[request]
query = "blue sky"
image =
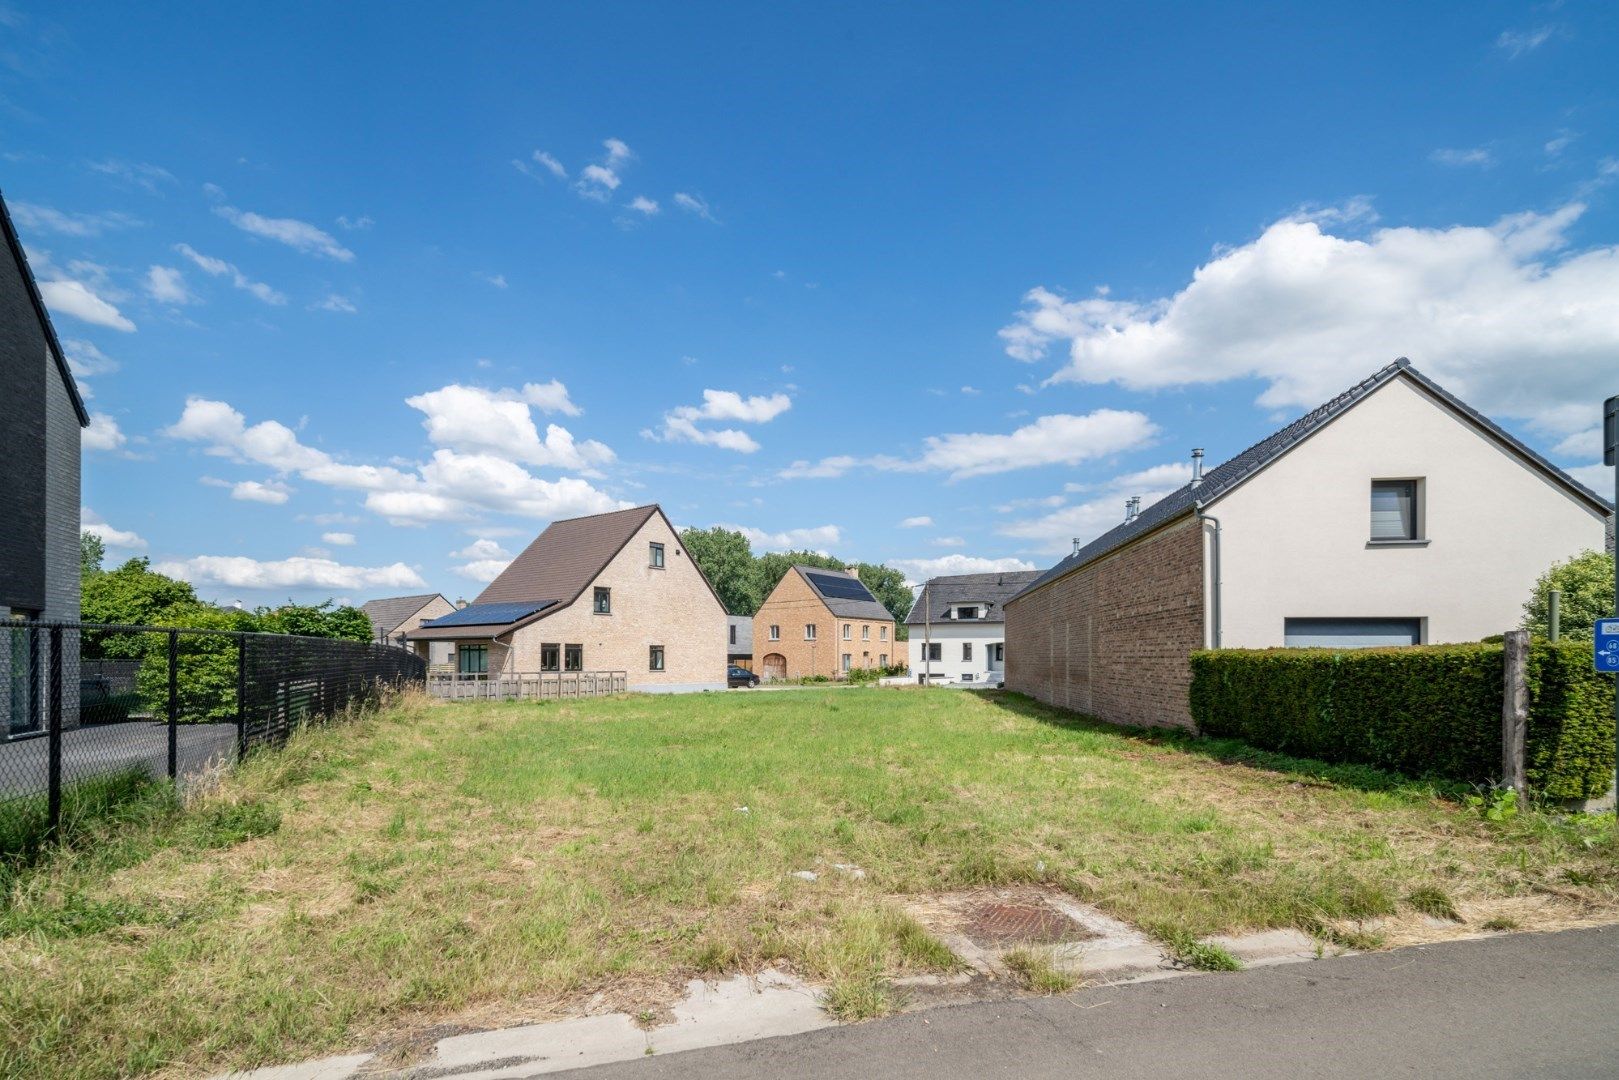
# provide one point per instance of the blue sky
(364, 296)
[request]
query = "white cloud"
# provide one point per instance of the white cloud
(1556, 146)
(1598, 477)
(336, 302)
(339, 539)
(551, 164)
(167, 285)
(920, 570)
(1054, 533)
(102, 434)
(916, 522)
(497, 280)
(273, 493)
(597, 182)
(618, 152)
(114, 538)
(948, 541)
(818, 538)
(694, 204)
(644, 205)
(1517, 42)
(1061, 439)
(354, 224)
(485, 560)
(75, 300)
(85, 360)
(498, 422)
(680, 423)
(220, 268)
(1477, 155)
(452, 486)
(138, 173)
(299, 572)
(298, 235)
(1310, 313)
(45, 219)
(1165, 477)
(827, 468)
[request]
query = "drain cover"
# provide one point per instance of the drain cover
(1034, 924)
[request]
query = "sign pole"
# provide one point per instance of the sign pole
(1610, 456)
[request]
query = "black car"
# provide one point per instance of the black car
(740, 676)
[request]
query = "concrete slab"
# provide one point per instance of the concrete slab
(332, 1068)
(1270, 947)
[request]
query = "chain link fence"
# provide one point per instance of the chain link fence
(85, 704)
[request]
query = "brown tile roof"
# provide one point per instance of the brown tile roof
(565, 558)
(388, 613)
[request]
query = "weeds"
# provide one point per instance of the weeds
(1036, 973)
(1188, 951)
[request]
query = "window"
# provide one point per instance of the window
(882, 633)
(655, 658)
(845, 631)
(865, 633)
(809, 631)
(551, 657)
(1394, 510)
(1350, 633)
(847, 661)
(967, 613)
(604, 601)
(655, 556)
(775, 632)
(733, 633)
(472, 659)
(882, 659)
(934, 650)
(967, 651)
(997, 653)
(573, 658)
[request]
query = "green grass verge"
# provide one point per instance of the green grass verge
(1035, 972)
(497, 860)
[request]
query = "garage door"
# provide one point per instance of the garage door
(1351, 633)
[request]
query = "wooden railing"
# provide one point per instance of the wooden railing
(518, 685)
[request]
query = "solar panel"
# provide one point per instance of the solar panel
(840, 588)
(489, 614)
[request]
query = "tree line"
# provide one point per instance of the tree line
(744, 579)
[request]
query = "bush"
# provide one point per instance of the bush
(1425, 711)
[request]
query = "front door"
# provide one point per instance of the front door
(775, 666)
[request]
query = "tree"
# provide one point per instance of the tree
(725, 556)
(1586, 582)
(888, 586)
(91, 553)
(772, 566)
(132, 595)
(315, 620)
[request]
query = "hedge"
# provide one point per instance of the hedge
(1425, 711)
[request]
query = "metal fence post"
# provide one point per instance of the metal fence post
(174, 704)
(53, 797)
(241, 696)
(1514, 709)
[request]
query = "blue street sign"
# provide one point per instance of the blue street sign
(1607, 645)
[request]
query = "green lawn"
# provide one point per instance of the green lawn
(483, 863)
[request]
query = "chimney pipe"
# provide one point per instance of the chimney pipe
(1132, 508)
(1076, 545)
(460, 602)
(1197, 466)
(1127, 509)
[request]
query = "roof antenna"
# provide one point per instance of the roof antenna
(1197, 467)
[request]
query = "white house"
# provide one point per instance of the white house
(1394, 514)
(958, 627)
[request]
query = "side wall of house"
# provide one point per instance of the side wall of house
(672, 607)
(25, 377)
(1295, 537)
(950, 637)
(1112, 639)
(62, 434)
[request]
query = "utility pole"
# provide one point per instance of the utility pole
(1610, 456)
(927, 635)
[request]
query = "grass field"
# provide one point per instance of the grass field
(485, 863)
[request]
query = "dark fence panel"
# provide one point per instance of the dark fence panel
(87, 704)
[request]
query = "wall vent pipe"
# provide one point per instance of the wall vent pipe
(1197, 466)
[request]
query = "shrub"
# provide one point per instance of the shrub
(1425, 711)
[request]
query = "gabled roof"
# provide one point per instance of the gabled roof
(1227, 476)
(14, 245)
(989, 591)
(860, 604)
(565, 558)
(389, 612)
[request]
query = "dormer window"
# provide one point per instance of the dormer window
(970, 612)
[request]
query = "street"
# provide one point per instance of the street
(1515, 1005)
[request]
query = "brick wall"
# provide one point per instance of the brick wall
(1112, 639)
(792, 605)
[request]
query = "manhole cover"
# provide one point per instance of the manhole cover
(1034, 924)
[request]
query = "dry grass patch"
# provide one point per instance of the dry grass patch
(481, 864)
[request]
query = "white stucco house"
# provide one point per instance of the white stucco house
(1394, 514)
(957, 627)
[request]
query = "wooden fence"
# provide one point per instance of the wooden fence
(522, 685)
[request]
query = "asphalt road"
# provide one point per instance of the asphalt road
(1517, 1005)
(101, 749)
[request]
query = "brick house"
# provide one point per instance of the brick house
(1393, 514)
(821, 622)
(41, 416)
(393, 617)
(607, 592)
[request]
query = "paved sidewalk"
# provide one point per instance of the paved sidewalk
(1511, 1006)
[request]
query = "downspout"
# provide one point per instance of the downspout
(1214, 566)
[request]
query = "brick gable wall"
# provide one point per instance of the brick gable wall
(1112, 639)
(791, 605)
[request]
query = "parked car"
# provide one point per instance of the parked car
(740, 676)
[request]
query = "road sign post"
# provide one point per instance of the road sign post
(1610, 456)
